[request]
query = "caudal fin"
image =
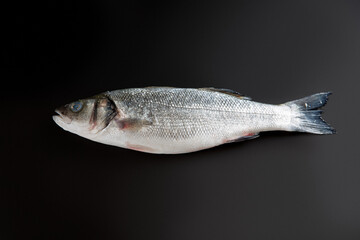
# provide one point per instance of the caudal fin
(307, 117)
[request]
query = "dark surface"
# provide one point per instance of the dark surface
(279, 186)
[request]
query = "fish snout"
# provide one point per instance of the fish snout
(62, 114)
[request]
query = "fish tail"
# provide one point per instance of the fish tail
(307, 117)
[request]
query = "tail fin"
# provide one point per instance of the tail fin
(307, 117)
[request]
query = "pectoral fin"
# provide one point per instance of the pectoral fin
(132, 123)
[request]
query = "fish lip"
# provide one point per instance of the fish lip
(61, 117)
(58, 112)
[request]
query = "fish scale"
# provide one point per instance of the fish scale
(202, 112)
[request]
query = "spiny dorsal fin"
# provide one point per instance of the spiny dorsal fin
(158, 87)
(227, 91)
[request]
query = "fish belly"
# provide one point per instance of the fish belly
(187, 120)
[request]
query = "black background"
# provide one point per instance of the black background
(279, 186)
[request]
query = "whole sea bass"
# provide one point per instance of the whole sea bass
(180, 120)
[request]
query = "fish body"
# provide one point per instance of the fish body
(180, 120)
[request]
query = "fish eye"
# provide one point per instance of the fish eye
(76, 106)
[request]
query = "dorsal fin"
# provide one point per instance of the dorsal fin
(227, 91)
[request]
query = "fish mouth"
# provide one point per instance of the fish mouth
(61, 118)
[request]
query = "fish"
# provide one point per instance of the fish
(167, 120)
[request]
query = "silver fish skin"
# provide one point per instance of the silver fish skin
(181, 120)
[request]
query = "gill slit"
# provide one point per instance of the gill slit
(93, 117)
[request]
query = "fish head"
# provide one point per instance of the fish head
(86, 117)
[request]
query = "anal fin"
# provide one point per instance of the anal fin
(245, 137)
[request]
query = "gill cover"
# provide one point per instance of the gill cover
(103, 112)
